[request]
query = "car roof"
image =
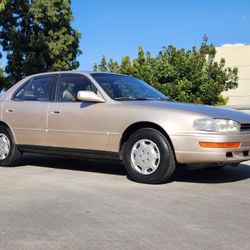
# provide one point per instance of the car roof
(74, 72)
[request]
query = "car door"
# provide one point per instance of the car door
(26, 111)
(74, 124)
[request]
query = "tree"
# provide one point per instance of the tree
(95, 67)
(13, 36)
(2, 79)
(103, 65)
(38, 37)
(2, 4)
(126, 66)
(184, 75)
(113, 66)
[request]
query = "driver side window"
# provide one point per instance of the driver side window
(70, 85)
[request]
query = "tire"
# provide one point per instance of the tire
(157, 153)
(9, 153)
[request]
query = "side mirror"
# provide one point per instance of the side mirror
(89, 96)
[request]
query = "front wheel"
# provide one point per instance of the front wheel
(148, 157)
(9, 153)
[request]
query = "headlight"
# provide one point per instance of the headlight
(216, 125)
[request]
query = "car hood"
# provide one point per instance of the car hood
(203, 110)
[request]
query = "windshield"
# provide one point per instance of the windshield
(122, 87)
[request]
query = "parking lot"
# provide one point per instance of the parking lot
(58, 203)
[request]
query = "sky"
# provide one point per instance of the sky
(118, 27)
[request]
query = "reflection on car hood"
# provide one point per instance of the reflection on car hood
(204, 110)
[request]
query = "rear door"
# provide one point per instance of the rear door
(74, 124)
(26, 112)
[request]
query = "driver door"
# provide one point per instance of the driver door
(74, 124)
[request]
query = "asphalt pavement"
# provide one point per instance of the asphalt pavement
(58, 203)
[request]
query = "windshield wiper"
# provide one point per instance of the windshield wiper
(129, 98)
(146, 99)
(150, 99)
(125, 98)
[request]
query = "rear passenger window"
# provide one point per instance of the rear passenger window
(37, 89)
(18, 95)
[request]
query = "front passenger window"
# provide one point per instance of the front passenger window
(70, 85)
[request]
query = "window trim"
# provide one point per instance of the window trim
(18, 89)
(56, 96)
(29, 81)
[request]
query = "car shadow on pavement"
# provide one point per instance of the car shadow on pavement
(227, 174)
(58, 162)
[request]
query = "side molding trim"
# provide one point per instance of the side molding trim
(69, 152)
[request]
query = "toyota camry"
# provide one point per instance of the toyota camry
(113, 116)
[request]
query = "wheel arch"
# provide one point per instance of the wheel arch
(139, 125)
(2, 123)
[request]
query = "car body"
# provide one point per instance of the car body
(93, 124)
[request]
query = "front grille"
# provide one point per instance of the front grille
(245, 127)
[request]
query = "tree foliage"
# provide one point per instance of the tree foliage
(192, 76)
(38, 37)
(2, 4)
(2, 78)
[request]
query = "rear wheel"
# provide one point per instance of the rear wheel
(9, 153)
(148, 157)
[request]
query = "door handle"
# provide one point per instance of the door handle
(10, 110)
(55, 112)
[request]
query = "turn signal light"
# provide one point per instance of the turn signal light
(219, 144)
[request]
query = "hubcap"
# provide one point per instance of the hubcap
(145, 156)
(4, 146)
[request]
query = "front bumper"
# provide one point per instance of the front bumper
(188, 150)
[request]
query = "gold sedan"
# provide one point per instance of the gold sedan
(112, 116)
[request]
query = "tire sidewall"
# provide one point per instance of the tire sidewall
(166, 156)
(8, 159)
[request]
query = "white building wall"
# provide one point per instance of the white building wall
(237, 56)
